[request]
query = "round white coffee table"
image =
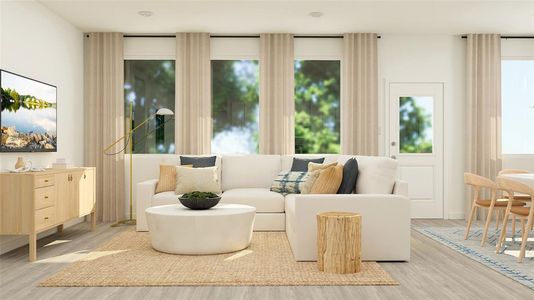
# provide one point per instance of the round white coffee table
(180, 230)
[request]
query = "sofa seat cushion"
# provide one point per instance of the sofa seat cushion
(262, 199)
(165, 198)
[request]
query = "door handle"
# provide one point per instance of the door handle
(393, 143)
(393, 156)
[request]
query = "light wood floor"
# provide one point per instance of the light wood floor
(435, 272)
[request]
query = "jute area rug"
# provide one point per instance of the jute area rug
(129, 260)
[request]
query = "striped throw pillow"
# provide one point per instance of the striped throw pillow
(289, 182)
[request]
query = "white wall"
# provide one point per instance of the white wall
(431, 58)
(37, 43)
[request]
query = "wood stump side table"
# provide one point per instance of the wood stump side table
(339, 242)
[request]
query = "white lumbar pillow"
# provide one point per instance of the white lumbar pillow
(197, 179)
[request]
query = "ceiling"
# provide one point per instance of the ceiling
(248, 16)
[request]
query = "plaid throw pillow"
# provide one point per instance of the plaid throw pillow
(289, 182)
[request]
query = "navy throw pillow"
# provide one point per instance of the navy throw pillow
(350, 175)
(301, 164)
(198, 162)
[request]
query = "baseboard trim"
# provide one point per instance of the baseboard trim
(456, 216)
(12, 242)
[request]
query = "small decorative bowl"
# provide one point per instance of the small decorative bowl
(199, 203)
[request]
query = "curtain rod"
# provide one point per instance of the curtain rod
(238, 36)
(509, 37)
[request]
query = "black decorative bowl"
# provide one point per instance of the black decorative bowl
(199, 203)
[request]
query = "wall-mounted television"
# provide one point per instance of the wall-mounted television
(28, 114)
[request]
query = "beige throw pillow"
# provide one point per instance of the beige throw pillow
(308, 184)
(328, 181)
(167, 178)
(315, 166)
(197, 179)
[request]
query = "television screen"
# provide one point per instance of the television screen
(27, 115)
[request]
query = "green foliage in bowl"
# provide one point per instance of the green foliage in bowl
(199, 195)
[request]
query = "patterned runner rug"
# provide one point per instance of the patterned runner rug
(504, 262)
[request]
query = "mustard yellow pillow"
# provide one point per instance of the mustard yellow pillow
(328, 181)
(315, 166)
(167, 178)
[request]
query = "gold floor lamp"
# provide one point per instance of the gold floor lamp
(128, 136)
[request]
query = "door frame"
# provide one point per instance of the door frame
(388, 134)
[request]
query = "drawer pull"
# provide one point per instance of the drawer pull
(46, 197)
(46, 218)
(46, 180)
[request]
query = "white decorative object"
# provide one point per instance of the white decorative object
(197, 179)
(180, 230)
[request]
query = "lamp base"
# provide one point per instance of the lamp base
(125, 223)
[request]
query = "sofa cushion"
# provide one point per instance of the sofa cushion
(165, 198)
(376, 174)
(249, 171)
(350, 175)
(262, 199)
(301, 164)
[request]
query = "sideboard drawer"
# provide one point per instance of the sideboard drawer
(44, 180)
(45, 197)
(45, 217)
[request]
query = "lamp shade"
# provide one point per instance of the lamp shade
(164, 112)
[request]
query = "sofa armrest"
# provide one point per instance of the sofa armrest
(143, 198)
(385, 223)
(400, 188)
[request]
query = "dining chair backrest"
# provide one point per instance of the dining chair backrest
(479, 181)
(512, 171)
(513, 186)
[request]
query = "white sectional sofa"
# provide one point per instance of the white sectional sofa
(380, 198)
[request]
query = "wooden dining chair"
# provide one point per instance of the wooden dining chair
(478, 183)
(516, 171)
(525, 214)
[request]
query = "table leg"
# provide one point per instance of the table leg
(93, 221)
(32, 240)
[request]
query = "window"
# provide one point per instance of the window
(149, 85)
(235, 106)
(517, 106)
(415, 124)
(317, 94)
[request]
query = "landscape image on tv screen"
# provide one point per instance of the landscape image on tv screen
(27, 115)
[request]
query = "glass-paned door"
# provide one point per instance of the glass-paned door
(416, 142)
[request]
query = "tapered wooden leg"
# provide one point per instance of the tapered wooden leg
(513, 226)
(32, 241)
(469, 221)
(503, 231)
(524, 240)
(522, 227)
(93, 221)
(60, 228)
(498, 218)
(486, 226)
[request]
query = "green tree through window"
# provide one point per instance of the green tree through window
(149, 85)
(235, 106)
(415, 124)
(317, 94)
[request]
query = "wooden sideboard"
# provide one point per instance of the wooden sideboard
(33, 202)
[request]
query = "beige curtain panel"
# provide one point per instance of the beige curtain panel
(277, 103)
(483, 110)
(104, 119)
(193, 94)
(359, 94)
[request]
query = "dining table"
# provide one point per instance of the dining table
(526, 178)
